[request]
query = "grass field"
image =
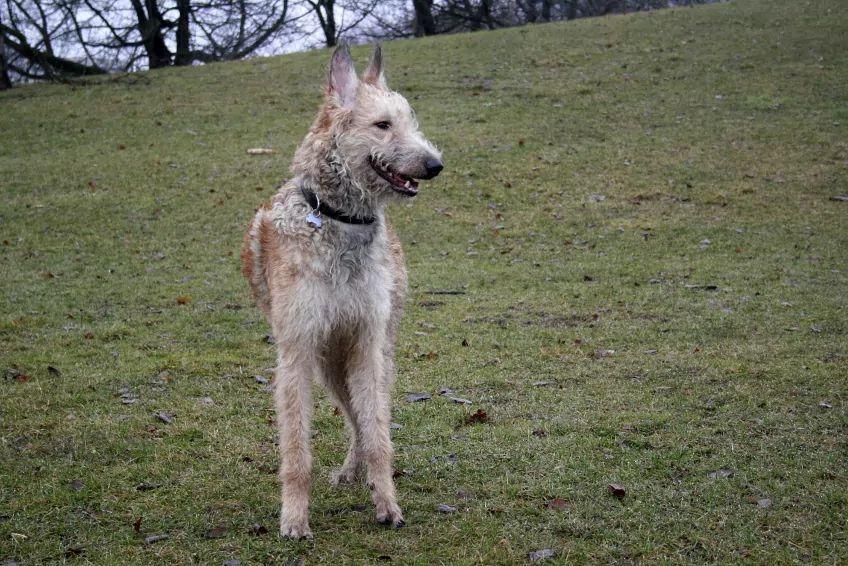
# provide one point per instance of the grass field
(651, 290)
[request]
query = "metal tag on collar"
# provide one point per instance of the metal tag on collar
(314, 216)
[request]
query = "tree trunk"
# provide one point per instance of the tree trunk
(161, 54)
(329, 23)
(486, 13)
(149, 25)
(571, 11)
(424, 22)
(51, 64)
(5, 81)
(546, 10)
(183, 56)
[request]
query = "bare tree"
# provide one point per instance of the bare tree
(234, 30)
(425, 24)
(325, 14)
(54, 39)
(5, 80)
(336, 19)
(50, 39)
(34, 36)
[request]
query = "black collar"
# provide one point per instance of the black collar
(330, 212)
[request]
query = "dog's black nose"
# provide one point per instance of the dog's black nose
(433, 167)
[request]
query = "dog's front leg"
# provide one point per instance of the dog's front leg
(293, 400)
(370, 403)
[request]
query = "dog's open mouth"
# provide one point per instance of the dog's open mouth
(403, 184)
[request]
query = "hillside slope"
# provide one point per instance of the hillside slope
(637, 217)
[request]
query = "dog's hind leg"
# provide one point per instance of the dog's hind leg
(369, 396)
(293, 400)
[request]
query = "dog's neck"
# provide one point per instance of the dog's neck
(338, 190)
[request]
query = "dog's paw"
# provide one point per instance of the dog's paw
(295, 530)
(344, 476)
(390, 515)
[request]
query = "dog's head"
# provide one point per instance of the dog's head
(373, 130)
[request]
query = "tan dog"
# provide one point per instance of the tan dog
(327, 269)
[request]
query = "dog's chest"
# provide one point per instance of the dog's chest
(347, 256)
(349, 277)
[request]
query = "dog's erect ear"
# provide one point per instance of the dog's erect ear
(342, 80)
(374, 73)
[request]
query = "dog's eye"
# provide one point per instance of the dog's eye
(383, 125)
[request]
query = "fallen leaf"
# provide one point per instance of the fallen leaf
(261, 151)
(16, 374)
(541, 383)
(74, 551)
(825, 405)
(260, 379)
(147, 486)
(166, 418)
(460, 400)
(540, 433)
(206, 401)
(597, 198)
(463, 495)
(557, 504)
(479, 417)
(450, 458)
(155, 538)
(720, 473)
(540, 555)
(445, 508)
(53, 370)
(418, 397)
(256, 529)
(617, 490)
(839, 198)
(137, 525)
(602, 353)
(89, 335)
(215, 532)
(395, 426)
(465, 343)
(183, 299)
(816, 329)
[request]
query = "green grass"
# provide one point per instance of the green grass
(726, 123)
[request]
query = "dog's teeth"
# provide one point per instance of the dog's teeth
(407, 184)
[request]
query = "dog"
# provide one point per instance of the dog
(327, 269)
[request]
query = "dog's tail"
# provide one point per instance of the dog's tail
(254, 262)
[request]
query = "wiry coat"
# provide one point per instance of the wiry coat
(334, 293)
